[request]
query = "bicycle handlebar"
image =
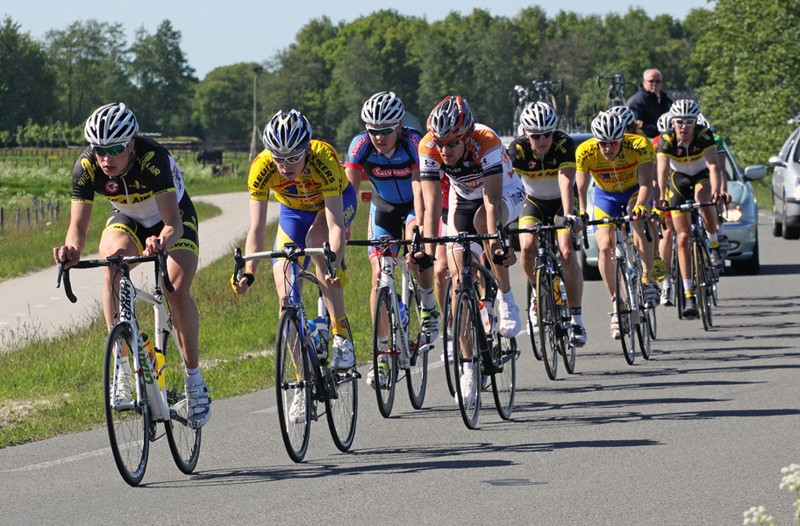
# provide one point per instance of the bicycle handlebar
(620, 221)
(290, 251)
(117, 262)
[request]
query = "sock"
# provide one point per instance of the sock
(688, 287)
(577, 317)
(714, 238)
(428, 301)
(667, 281)
(192, 377)
(339, 326)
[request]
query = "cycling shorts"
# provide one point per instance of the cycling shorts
(613, 204)
(388, 219)
(682, 186)
(119, 222)
(293, 224)
(539, 211)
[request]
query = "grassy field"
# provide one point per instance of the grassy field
(53, 387)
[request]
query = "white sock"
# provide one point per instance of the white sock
(428, 301)
(192, 377)
(688, 284)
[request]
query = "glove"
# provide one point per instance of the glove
(341, 275)
(659, 214)
(639, 210)
(574, 220)
(498, 259)
(663, 204)
(247, 276)
(424, 262)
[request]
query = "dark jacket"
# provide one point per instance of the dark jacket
(648, 109)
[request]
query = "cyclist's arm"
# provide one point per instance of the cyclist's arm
(75, 240)
(582, 182)
(718, 183)
(492, 200)
(419, 202)
(566, 178)
(256, 234)
(663, 173)
(172, 231)
(644, 174)
(432, 210)
(334, 216)
(354, 176)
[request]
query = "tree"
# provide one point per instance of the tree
(752, 55)
(223, 103)
(90, 64)
(163, 80)
(26, 79)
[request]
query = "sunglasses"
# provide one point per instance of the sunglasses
(685, 122)
(448, 144)
(111, 151)
(381, 131)
(607, 144)
(289, 160)
(539, 136)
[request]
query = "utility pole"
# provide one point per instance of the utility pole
(253, 142)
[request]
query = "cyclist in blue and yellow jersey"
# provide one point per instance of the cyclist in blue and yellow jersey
(483, 190)
(387, 153)
(545, 161)
(150, 212)
(317, 203)
(688, 166)
(621, 166)
(665, 242)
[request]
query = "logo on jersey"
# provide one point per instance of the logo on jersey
(378, 172)
(112, 187)
(532, 165)
(680, 151)
(357, 146)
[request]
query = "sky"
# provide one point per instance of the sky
(221, 33)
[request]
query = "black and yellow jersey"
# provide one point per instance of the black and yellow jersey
(689, 159)
(621, 173)
(540, 174)
(323, 176)
(153, 172)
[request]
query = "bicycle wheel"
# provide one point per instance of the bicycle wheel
(417, 373)
(504, 380)
(384, 352)
(342, 411)
(565, 348)
(702, 285)
(623, 305)
(293, 386)
(533, 328)
(677, 281)
(127, 415)
(547, 318)
(184, 442)
(447, 337)
(467, 375)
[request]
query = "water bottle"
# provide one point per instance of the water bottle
(558, 290)
(403, 313)
(487, 324)
(155, 357)
(318, 328)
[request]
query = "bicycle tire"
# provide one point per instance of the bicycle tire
(417, 373)
(383, 328)
(342, 411)
(565, 347)
(677, 280)
(504, 382)
(447, 329)
(623, 299)
(465, 330)
(184, 441)
(533, 328)
(701, 285)
(643, 333)
(292, 379)
(129, 424)
(547, 319)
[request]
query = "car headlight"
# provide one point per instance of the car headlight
(733, 214)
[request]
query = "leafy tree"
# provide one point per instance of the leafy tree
(752, 55)
(223, 102)
(26, 79)
(164, 81)
(90, 64)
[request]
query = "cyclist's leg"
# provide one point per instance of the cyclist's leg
(121, 236)
(682, 189)
(702, 191)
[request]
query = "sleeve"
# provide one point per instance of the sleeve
(430, 162)
(357, 151)
(259, 180)
(159, 168)
(334, 179)
(83, 174)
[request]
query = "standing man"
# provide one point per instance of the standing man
(650, 102)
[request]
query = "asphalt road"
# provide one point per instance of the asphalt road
(696, 435)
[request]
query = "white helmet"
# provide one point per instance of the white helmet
(664, 123)
(110, 125)
(608, 126)
(383, 108)
(538, 116)
(685, 108)
(702, 121)
(286, 132)
(625, 113)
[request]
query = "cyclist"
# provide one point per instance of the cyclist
(387, 152)
(545, 161)
(688, 164)
(150, 212)
(621, 166)
(484, 190)
(317, 203)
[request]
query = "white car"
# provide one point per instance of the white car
(786, 189)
